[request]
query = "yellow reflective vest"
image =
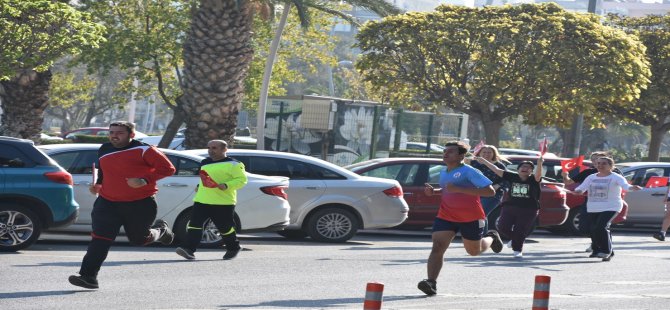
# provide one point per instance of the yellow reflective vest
(228, 171)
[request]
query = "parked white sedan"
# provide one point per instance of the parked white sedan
(646, 206)
(261, 205)
(328, 202)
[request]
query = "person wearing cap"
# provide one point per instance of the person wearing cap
(220, 178)
(521, 209)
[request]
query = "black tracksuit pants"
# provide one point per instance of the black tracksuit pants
(223, 217)
(108, 216)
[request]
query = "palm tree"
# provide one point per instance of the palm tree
(217, 55)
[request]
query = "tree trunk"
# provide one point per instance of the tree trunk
(24, 99)
(217, 55)
(658, 131)
(568, 141)
(172, 127)
(492, 130)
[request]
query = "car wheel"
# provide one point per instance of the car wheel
(571, 225)
(211, 238)
(332, 225)
(19, 228)
(292, 234)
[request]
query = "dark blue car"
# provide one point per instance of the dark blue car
(35, 194)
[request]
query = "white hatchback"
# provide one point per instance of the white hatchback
(328, 202)
(261, 205)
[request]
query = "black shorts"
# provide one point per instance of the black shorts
(469, 230)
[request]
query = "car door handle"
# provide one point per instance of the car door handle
(312, 187)
(408, 194)
(658, 194)
(175, 185)
(84, 183)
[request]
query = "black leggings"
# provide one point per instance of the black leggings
(223, 217)
(108, 216)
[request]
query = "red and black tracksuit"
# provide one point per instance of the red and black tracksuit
(121, 205)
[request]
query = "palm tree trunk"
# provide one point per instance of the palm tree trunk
(24, 100)
(217, 55)
(269, 63)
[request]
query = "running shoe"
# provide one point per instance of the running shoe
(518, 254)
(84, 281)
(497, 244)
(428, 287)
(166, 235)
(231, 253)
(185, 253)
(659, 236)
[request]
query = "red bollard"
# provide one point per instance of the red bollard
(541, 293)
(373, 296)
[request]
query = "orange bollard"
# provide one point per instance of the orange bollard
(373, 296)
(541, 293)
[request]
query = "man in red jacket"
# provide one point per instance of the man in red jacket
(126, 185)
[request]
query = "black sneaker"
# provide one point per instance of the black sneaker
(231, 253)
(84, 281)
(659, 236)
(185, 253)
(593, 254)
(166, 234)
(497, 244)
(428, 287)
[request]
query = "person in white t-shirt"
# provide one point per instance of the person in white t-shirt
(604, 203)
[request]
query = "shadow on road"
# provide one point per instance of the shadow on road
(321, 303)
(41, 294)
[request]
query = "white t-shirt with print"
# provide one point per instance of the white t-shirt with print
(604, 192)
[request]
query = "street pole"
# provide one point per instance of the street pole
(265, 87)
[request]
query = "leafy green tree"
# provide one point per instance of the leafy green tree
(145, 39)
(538, 61)
(76, 97)
(68, 97)
(652, 108)
(34, 34)
(217, 56)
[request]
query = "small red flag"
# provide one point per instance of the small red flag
(543, 146)
(207, 181)
(478, 147)
(572, 163)
(656, 181)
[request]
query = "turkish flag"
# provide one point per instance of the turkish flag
(478, 147)
(543, 146)
(657, 182)
(573, 163)
(207, 181)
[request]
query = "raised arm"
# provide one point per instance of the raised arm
(499, 172)
(538, 170)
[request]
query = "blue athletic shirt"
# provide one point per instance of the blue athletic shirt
(459, 207)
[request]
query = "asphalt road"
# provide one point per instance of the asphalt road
(274, 273)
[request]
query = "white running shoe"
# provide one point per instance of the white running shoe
(518, 254)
